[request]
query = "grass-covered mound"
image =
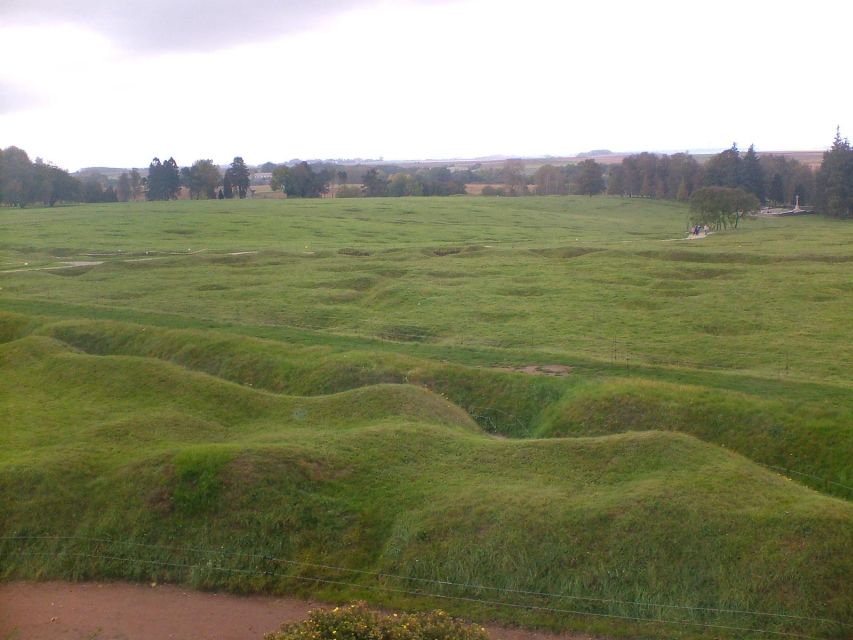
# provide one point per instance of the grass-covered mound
(149, 470)
(803, 429)
(305, 396)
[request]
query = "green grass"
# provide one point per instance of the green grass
(395, 480)
(569, 277)
(343, 397)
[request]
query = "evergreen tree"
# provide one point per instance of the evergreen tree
(156, 188)
(164, 180)
(239, 176)
(752, 175)
(777, 189)
(834, 179)
(724, 169)
(172, 179)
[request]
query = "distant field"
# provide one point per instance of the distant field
(197, 388)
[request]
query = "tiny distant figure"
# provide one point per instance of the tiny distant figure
(706, 229)
(221, 194)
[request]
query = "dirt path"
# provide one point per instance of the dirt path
(119, 611)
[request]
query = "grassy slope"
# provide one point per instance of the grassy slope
(118, 430)
(801, 429)
(405, 485)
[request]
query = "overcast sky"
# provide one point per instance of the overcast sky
(103, 83)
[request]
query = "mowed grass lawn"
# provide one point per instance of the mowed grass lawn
(303, 397)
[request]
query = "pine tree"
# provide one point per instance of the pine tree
(239, 176)
(835, 179)
(172, 179)
(752, 175)
(155, 181)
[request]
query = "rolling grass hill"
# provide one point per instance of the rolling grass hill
(115, 452)
(323, 398)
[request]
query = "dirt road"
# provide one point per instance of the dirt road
(118, 611)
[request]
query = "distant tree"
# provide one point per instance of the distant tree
(172, 178)
(301, 181)
(238, 176)
(514, 178)
(684, 176)
(267, 167)
(93, 190)
(164, 180)
(590, 178)
(724, 169)
(682, 194)
(787, 178)
(123, 188)
(550, 180)
(136, 186)
(65, 187)
(640, 174)
(16, 177)
(375, 183)
(720, 207)
(435, 181)
(616, 180)
(834, 179)
(405, 184)
(776, 193)
(202, 179)
(752, 175)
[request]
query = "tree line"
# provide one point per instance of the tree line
(770, 179)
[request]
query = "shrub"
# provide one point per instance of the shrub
(349, 191)
(357, 622)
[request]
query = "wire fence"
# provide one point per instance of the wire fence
(269, 567)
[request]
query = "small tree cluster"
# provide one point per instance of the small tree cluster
(720, 207)
(435, 181)
(164, 180)
(236, 177)
(301, 181)
(589, 179)
(23, 182)
(201, 179)
(357, 622)
(649, 175)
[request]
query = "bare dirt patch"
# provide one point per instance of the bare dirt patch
(118, 611)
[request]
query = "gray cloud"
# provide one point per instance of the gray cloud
(183, 25)
(14, 97)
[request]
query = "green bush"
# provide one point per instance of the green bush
(357, 622)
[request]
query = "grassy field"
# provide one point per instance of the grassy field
(294, 396)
